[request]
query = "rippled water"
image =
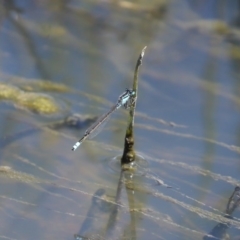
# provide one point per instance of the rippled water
(79, 56)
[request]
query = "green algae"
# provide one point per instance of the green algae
(36, 102)
(45, 86)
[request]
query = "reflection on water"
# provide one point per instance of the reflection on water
(220, 230)
(98, 205)
(81, 54)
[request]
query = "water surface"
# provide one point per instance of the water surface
(81, 56)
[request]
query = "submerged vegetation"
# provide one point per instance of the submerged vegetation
(36, 102)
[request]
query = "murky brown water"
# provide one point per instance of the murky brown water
(63, 57)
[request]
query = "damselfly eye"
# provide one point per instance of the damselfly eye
(131, 92)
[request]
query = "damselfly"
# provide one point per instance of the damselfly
(125, 99)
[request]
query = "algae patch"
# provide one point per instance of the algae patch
(19, 176)
(36, 102)
(45, 86)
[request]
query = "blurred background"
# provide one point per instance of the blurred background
(63, 57)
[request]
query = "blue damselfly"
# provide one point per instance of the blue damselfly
(125, 99)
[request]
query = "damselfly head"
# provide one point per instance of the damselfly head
(130, 92)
